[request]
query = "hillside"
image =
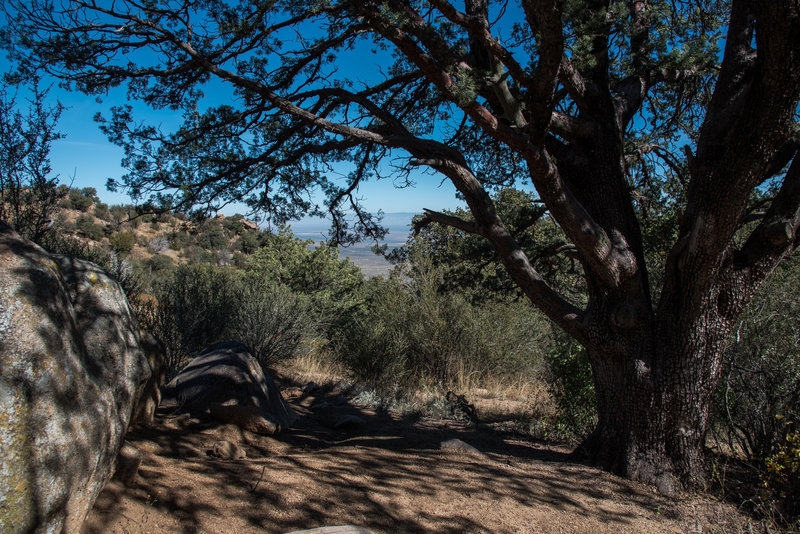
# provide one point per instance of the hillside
(154, 243)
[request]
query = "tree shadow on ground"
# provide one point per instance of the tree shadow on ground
(381, 471)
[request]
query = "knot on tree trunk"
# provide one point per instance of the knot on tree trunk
(623, 316)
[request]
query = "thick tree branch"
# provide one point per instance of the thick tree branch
(747, 125)
(571, 128)
(446, 220)
(579, 89)
(445, 82)
(779, 227)
(489, 225)
(480, 31)
(545, 16)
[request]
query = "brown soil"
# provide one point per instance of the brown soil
(385, 473)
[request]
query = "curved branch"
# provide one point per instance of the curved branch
(519, 267)
(446, 220)
(779, 230)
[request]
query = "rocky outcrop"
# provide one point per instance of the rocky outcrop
(226, 382)
(70, 371)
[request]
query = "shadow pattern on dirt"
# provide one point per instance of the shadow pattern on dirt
(380, 472)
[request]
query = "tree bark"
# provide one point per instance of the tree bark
(652, 419)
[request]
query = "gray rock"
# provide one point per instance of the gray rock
(348, 421)
(222, 381)
(459, 446)
(128, 462)
(70, 371)
(227, 450)
(145, 408)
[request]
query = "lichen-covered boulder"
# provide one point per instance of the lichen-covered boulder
(70, 370)
(226, 382)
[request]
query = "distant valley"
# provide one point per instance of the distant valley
(371, 264)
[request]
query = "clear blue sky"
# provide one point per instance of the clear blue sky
(85, 158)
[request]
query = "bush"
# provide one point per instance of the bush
(118, 213)
(158, 263)
(271, 320)
(122, 242)
(82, 199)
(781, 476)
(101, 211)
(200, 304)
(196, 255)
(409, 336)
(760, 383)
(249, 241)
(179, 239)
(195, 305)
(88, 228)
(158, 244)
(572, 387)
(211, 236)
(333, 285)
(234, 224)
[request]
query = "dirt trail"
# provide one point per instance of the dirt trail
(384, 473)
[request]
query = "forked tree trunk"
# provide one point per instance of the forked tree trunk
(654, 398)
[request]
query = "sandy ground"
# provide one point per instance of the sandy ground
(384, 473)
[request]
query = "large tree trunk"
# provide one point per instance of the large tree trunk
(654, 389)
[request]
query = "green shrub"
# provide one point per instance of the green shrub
(249, 242)
(88, 228)
(375, 347)
(118, 213)
(179, 239)
(158, 263)
(211, 236)
(333, 285)
(409, 335)
(572, 387)
(271, 320)
(196, 255)
(199, 305)
(780, 478)
(101, 211)
(122, 242)
(81, 199)
(234, 225)
(195, 306)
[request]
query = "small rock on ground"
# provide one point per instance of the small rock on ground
(227, 451)
(348, 421)
(458, 445)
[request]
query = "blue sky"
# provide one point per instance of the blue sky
(85, 158)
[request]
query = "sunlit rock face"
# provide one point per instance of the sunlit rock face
(71, 370)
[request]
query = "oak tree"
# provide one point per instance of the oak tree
(606, 107)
